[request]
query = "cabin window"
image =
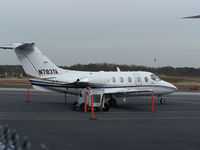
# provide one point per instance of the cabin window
(146, 79)
(138, 79)
(121, 79)
(113, 79)
(129, 79)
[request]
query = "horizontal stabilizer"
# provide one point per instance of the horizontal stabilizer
(12, 46)
(26, 46)
(6, 47)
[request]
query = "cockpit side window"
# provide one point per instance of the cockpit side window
(154, 77)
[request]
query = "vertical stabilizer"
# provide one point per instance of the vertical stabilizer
(34, 62)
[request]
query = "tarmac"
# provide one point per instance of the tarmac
(47, 119)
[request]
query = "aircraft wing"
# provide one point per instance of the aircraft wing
(126, 91)
(192, 17)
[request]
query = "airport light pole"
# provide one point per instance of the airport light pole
(155, 60)
(154, 67)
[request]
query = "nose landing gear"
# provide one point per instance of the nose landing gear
(162, 100)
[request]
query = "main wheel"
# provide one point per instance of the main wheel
(75, 106)
(162, 100)
(106, 107)
(112, 102)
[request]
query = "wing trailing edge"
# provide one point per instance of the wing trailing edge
(192, 17)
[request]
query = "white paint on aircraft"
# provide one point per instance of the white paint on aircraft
(49, 77)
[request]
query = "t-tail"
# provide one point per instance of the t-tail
(33, 61)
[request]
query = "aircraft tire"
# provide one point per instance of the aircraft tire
(162, 100)
(106, 107)
(112, 102)
(75, 106)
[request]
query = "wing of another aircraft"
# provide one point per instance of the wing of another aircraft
(6, 47)
(192, 17)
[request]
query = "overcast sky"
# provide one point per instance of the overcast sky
(111, 31)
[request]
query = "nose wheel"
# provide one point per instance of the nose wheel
(162, 100)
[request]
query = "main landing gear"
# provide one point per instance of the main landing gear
(75, 106)
(106, 107)
(112, 102)
(162, 100)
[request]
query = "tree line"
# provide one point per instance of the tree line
(17, 70)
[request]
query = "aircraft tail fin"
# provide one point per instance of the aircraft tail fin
(33, 61)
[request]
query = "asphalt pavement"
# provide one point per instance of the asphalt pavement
(131, 125)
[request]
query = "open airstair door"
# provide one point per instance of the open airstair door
(138, 80)
(98, 98)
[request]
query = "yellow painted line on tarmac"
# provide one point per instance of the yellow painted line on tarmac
(149, 112)
(75, 112)
(153, 118)
(139, 112)
(183, 99)
(45, 119)
(120, 118)
(37, 112)
(180, 111)
(143, 112)
(25, 93)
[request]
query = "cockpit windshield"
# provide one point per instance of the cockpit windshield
(154, 77)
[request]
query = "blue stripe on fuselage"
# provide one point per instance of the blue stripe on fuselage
(44, 82)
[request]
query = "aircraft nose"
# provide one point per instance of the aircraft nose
(170, 86)
(174, 88)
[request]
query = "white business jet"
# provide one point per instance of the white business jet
(49, 77)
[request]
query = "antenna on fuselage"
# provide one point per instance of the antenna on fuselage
(118, 70)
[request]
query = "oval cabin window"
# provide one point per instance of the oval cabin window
(138, 79)
(113, 79)
(129, 79)
(121, 79)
